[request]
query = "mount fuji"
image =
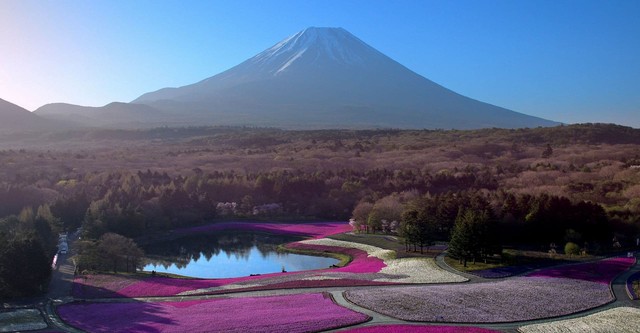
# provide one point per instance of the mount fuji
(320, 78)
(328, 78)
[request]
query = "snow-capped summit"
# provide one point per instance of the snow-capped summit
(328, 78)
(317, 44)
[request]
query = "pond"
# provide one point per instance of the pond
(228, 254)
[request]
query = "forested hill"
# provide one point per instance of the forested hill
(253, 137)
(578, 182)
(579, 133)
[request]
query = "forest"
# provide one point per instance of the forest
(528, 188)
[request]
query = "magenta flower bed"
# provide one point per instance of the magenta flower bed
(315, 284)
(161, 286)
(602, 271)
(314, 230)
(360, 263)
(101, 286)
(418, 329)
(290, 313)
(108, 285)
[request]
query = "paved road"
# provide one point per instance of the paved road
(60, 290)
(61, 278)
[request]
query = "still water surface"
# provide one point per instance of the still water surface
(224, 255)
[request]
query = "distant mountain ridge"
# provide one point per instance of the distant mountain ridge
(115, 114)
(16, 118)
(328, 78)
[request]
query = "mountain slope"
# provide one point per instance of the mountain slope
(15, 118)
(326, 77)
(114, 114)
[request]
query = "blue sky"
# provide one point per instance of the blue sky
(570, 61)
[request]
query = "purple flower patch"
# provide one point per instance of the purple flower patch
(602, 271)
(501, 272)
(515, 299)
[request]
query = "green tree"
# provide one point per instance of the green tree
(361, 214)
(474, 236)
(463, 238)
(25, 266)
(571, 249)
(119, 252)
(547, 152)
(409, 228)
(418, 227)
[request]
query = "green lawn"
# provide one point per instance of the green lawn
(477, 266)
(511, 257)
(387, 242)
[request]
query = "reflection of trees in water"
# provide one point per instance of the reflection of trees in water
(181, 251)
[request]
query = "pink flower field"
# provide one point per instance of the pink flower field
(290, 313)
(108, 285)
(602, 271)
(101, 285)
(418, 329)
(361, 262)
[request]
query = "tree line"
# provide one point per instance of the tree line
(29, 242)
(478, 224)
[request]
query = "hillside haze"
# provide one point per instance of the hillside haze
(114, 115)
(15, 118)
(328, 78)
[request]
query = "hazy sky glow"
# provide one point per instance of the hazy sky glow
(570, 61)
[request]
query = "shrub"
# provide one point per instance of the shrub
(571, 248)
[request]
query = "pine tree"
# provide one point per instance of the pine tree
(462, 245)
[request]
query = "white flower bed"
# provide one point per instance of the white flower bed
(225, 287)
(320, 278)
(619, 320)
(418, 270)
(516, 299)
(21, 320)
(410, 270)
(374, 251)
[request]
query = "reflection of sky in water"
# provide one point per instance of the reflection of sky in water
(226, 264)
